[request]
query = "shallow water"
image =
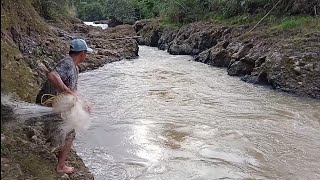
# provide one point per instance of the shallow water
(166, 117)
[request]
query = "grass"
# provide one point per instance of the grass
(236, 20)
(271, 21)
(297, 22)
(164, 21)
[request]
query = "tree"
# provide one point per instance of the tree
(51, 9)
(91, 12)
(120, 9)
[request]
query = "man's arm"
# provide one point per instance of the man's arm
(57, 82)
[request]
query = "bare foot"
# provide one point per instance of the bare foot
(65, 169)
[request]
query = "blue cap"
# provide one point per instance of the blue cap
(79, 45)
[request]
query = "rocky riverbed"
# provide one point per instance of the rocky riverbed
(286, 60)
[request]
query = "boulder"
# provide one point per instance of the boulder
(216, 56)
(194, 38)
(113, 22)
(240, 68)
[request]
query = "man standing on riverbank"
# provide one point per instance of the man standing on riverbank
(63, 79)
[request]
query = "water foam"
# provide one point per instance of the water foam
(73, 111)
(23, 111)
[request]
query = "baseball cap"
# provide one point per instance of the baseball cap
(79, 45)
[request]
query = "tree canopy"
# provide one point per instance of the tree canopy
(178, 11)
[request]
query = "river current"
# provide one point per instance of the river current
(167, 117)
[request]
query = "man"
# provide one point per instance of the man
(64, 78)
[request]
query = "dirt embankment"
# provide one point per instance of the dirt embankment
(287, 60)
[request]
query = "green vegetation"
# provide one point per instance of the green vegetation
(176, 11)
(121, 9)
(272, 21)
(95, 9)
(184, 11)
(53, 9)
(295, 22)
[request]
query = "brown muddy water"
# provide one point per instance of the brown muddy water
(165, 117)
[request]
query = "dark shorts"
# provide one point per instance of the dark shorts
(54, 133)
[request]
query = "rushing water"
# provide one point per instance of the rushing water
(103, 26)
(166, 117)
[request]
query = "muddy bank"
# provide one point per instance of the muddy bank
(285, 60)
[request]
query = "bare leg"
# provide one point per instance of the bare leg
(62, 156)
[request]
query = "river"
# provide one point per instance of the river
(103, 26)
(167, 117)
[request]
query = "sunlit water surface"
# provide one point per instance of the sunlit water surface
(166, 117)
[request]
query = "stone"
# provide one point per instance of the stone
(260, 61)
(240, 68)
(3, 137)
(219, 58)
(36, 140)
(5, 160)
(18, 57)
(113, 22)
(297, 70)
(138, 25)
(242, 51)
(65, 176)
(309, 67)
(166, 37)
(18, 170)
(82, 28)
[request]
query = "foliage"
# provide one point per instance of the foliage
(147, 8)
(91, 12)
(121, 9)
(52, 9)
(295, 22)
(176, 11)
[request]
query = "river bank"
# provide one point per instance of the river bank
(30, 47)
(285, 59)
